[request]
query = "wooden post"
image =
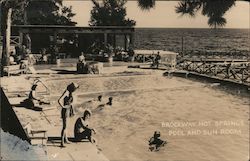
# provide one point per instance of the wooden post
(21, 38)
(105, 38)
(128, 41)
(125, 42)
(215, 70)
(55, 38)
(114, 40)
(6, 36)
(132, 40)
(242, 75)
(182, 43)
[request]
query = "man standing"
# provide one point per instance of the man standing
(157, 59)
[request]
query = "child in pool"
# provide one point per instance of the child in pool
(155, 142)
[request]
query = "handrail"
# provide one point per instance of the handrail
(14, 40)
(37, 81)
(239, 71)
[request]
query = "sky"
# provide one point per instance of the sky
(163, 15)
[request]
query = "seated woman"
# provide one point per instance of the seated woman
(32, 101)
(82, 129)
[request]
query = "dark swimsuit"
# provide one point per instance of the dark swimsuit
(86, 134)
(66, 112)
(29, 102)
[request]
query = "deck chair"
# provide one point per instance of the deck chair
(37, 135)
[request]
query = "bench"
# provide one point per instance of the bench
(13, 69)
(43, 137)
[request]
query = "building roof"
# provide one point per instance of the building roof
(72, 29)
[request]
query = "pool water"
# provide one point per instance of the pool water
(141, 103)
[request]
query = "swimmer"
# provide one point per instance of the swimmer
(155, 142)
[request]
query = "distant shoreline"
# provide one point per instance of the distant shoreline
(191, 28)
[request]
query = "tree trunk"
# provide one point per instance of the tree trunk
(6, 35)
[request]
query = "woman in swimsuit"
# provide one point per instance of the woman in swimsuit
(65, 101)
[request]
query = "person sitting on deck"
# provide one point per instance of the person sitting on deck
(32, 101)
(82, 129)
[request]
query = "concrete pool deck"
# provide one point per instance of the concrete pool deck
(49, 120)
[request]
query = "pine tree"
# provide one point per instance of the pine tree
(110, 13)
(213, 9)
(49, 12)
(44, 12)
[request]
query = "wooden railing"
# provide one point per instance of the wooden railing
(14, 40)
(234, 70)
